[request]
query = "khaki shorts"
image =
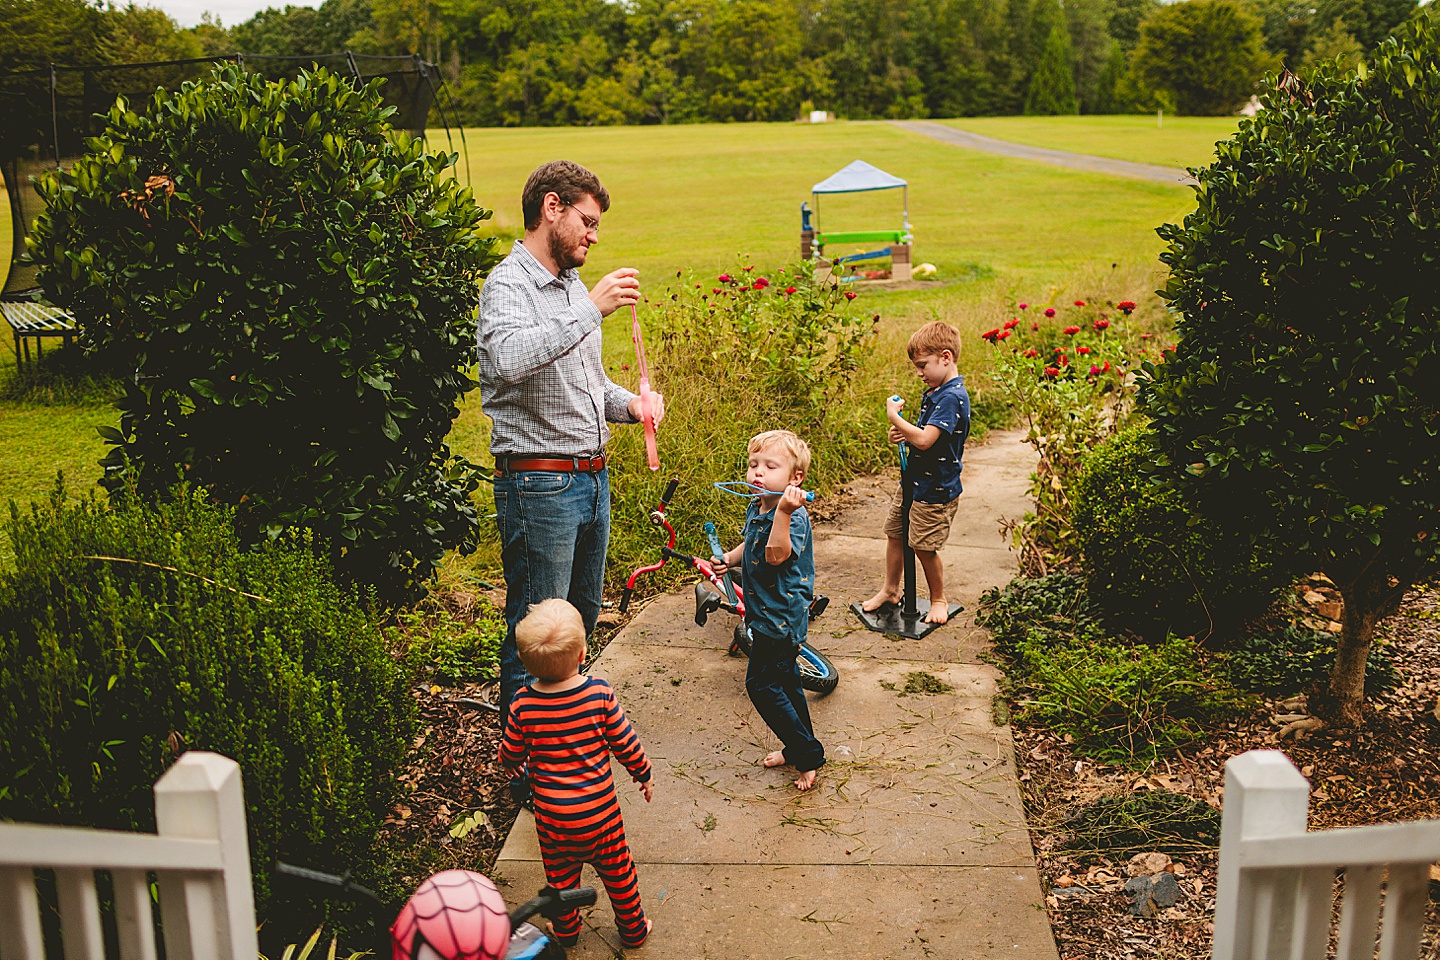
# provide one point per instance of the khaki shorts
(929, 523)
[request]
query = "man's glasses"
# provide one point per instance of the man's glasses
(591, 224)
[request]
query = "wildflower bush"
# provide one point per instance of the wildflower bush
(1152, 566)
(289, 286)
(128, 636)
(1121, 701)
(736, 354)
(1066, 373)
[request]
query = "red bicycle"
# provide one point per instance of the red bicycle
(715, 592)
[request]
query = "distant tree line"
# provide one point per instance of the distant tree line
(547, 62)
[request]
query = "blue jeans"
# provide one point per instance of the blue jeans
(554, 528)
(773, 682)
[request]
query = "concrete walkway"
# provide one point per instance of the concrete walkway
(913, 842)
(1062, 158)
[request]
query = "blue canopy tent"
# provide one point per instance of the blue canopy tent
(860, 177)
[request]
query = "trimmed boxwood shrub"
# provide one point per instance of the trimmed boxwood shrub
(128, 636)
(290, 286)
(1152, 565)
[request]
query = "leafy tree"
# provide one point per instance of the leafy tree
(1302, 401)
(36, 33)
(1052, 86)
(1285, 26)
(294, 285)
(1333, 43)
(1206, 54)
(1108, 97)
(1090, 42)
(135, 34)
(1368, 21)
(1126, 17)
(330, 28)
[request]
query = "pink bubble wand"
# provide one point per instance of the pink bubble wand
(647, 396)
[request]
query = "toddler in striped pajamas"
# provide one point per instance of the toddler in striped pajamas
(564, 728)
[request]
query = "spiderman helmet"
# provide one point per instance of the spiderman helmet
(457, 915)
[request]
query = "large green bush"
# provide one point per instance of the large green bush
(1206, 56)
(292, 284)
(1151, 565)
(1302, 403)
(129, 636)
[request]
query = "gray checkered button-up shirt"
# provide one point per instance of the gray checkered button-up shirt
(541, 377)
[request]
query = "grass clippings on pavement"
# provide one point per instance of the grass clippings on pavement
(1386, 772)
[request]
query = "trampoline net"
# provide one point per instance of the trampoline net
(46, 116)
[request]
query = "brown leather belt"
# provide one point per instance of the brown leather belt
(549, 464)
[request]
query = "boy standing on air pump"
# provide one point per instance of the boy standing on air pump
(937, 442)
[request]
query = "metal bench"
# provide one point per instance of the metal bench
(29, 320)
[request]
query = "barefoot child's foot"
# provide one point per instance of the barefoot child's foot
(939, 611)
(806, 780)
(879, 600)
(776, 759)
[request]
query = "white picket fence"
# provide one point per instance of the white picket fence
(1276, 895)
(200, 858)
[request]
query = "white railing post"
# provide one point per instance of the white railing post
(206, 918)
(1265, 796)
(20, 933)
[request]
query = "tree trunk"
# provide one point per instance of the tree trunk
(1346, 694)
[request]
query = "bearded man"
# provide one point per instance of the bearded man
(543, 384)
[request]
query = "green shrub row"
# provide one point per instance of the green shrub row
(130, 635)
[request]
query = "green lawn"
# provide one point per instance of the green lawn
(1176, 142)
(699, 197)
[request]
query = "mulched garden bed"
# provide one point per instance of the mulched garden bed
(1390, 770)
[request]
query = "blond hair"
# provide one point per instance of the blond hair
(798, 450)
(551, 639)
(932, 339)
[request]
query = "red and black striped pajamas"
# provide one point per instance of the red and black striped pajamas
(566, 740)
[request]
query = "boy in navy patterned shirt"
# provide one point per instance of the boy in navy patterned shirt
(778, 572)
(937, 442)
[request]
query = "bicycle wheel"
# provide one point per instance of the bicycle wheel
(817, 673)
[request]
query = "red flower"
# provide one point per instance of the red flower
(749, 268)
(1064, 361)
(1049, 311)
(761, 283)
(1060, 351)
(1052, 371)
(1106, 368)
(1094, 371)
(789, 290)
(1032, 352)
(1126, 306)
(624, 366)
(851, 294)
(1101, 324)
(1005, 335)
(1145, 336)
(1079, 303)
(1071, 331)
(758, 286)
(1034, 326)
(714, 289)
(1082, 350)
(992, 335)
(726, 278)
(1012, 324)
(1024, 306)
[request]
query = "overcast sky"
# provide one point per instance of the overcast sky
(187, 12)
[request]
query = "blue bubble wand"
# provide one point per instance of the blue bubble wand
(753, 491)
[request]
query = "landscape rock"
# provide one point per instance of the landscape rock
(1164, 889)
(1314, 598)
(1144, 864)
(1330, 610)
(1141, 891)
